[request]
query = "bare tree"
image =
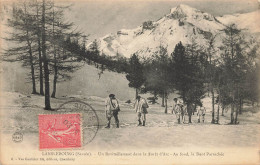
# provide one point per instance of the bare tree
(23, 38)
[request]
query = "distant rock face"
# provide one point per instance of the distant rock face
(183, 23)
(148, 25)
(177, 13)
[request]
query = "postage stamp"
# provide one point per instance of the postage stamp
(60, 131)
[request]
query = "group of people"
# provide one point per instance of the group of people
(181, 110)
(140, 106)
(112, 108)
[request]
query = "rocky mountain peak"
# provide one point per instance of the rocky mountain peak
(182, 11)
(185, 11)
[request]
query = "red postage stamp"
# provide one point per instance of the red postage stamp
(60, 131)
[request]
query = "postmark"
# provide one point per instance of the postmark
(60, 131)
(90, 121)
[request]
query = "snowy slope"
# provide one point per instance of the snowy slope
(183, 23)
(248, 21)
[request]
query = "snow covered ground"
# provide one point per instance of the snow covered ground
(20, 112)
(158, 142)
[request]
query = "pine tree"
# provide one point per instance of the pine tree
(36, 24)
(62, 62)
(210, 71)
(152, 79)
(157, 80)
(94, 52)
(188, 77)
(135, 74)
(180, 62)
(237, 61)
(163, 60)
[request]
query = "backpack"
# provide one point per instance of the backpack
(145, 105)
(113, 105)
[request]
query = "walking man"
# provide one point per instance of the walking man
(112, 109)
(140, 107)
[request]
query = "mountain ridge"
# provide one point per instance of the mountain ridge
(183, 23)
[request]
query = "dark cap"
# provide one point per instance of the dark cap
(138, 97)
(111, 95)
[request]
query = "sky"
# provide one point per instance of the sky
(98, 18)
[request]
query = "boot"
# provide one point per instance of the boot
(203, 121)
(140, 123)
(108, 126)
(190, 119)
(117, 125)
(179, 121)
(143, 123)
(198, 120)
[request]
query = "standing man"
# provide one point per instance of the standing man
(189, 110)
(177, 109)
(112, 109)
(140, 107)
(201, 113)
(174, 105)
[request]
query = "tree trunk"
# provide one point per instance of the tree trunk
(163, 97)
(194, 108)
(213, 107)
(232, 109)
(154, 95)
(189, 110)
(40, 55)
(166, 108)
(45, 61)
(218, 114)
(32, 69)
(219, 102)
(208, 91)
(237, 103)
(55, 59)
(240, 105)
(31, 56)
(222, 114)
(53, 95)
(40, 67)
(232, 114)
(236, 113)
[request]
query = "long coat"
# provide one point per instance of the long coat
(141, 106)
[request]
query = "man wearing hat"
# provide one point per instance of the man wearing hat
(177, 108)
(140, 107)
(201, 113)
(112, 109)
